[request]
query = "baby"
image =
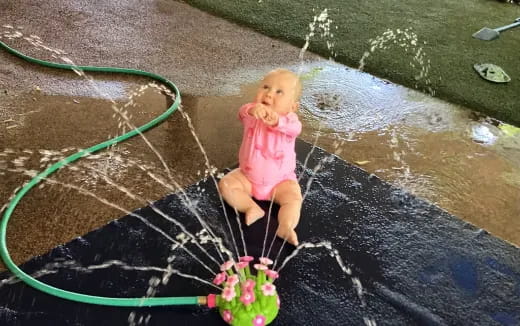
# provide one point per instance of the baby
(267, 157)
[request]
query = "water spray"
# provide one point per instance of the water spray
(246, 299)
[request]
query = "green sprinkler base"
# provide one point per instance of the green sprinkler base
(246, 299)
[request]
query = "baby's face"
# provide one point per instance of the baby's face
(278, 92)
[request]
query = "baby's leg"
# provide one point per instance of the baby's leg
(236, 190)
(288, 195)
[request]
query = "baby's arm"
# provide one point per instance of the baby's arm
(244, 113)
(288, 124)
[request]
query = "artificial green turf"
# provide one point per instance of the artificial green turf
(443, 29)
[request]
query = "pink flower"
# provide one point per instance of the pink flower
(266, 261)
(268, 289)
(271, 274)
(221, 277)
(248, 285)
(247, 297)
(278, 301)
(228, 293)
(246, 259)
(227, 265)
(227, 316)
(259, 320)
(232, 280)
(241, 265)
(260, 267)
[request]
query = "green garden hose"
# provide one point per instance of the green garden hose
(4, 253)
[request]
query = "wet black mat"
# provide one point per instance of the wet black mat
(418, 265)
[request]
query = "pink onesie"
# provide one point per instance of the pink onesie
(267, 156)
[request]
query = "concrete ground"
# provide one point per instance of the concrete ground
(47, 114)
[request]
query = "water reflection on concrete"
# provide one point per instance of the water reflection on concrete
(441, 152)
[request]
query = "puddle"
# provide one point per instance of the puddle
(438, 151)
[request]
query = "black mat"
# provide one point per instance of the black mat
(418, 265)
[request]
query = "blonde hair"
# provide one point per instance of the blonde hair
(298, 84)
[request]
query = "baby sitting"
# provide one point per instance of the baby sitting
(267, 157)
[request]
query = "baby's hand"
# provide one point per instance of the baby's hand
(264, 113)
(271, 119)
(259, 111)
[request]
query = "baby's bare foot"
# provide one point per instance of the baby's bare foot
(288, 234)
(253, 214)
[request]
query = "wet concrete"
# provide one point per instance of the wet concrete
(403, 136)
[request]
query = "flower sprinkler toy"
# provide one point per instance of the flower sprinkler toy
(246, 299)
